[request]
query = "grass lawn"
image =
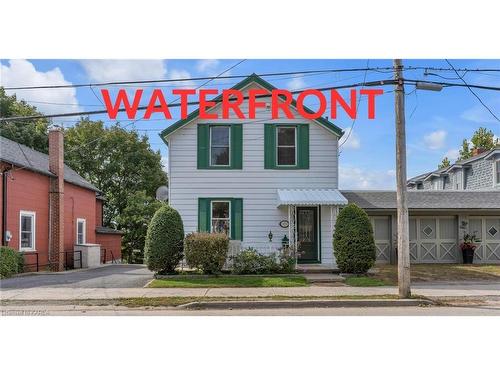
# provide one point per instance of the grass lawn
(233, 281)
(364, 281)
(439, 272)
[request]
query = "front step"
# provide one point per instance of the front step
(324, 278)
(308, 268)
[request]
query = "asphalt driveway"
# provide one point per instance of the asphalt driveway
(111, 276)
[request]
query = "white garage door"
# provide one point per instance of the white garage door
(382, 234)
(487, 230)
(434, 240)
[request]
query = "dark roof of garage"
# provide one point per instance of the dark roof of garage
(426, 199)
(23, 156)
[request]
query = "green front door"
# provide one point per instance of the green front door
(307, 234)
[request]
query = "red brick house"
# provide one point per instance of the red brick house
(47, 208)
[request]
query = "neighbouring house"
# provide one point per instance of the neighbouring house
(48, 210)
(267, 182)
(479, 172)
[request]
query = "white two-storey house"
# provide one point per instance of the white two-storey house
(263, 181)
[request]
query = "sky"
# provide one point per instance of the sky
(436, 122)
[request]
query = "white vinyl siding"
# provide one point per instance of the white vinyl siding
(256, 185)
(27, 229)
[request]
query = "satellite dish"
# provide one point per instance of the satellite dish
(162, 193)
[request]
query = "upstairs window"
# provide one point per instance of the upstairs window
(221, 217)
(27, 231)
(497, 170)
(219, 146)
(286, 146)
(80, 231)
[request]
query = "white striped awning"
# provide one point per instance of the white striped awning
(311, 197)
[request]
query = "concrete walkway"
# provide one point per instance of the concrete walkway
(469, 289)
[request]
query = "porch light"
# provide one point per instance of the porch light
(284, 241)
(270, 236)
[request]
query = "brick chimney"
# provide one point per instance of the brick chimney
(56, 199)
(477, 151)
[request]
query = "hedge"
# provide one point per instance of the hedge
(207, 251)
(11, 262)
(164, 245)
(353, 243)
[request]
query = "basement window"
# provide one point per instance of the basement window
(80, 231)
(27, 231)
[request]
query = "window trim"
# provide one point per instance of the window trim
(229, 216)
(33, 231)
(294, 127)
(84, 221)
(496, 174)
(228, 165)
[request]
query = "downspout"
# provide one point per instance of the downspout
(4, 204)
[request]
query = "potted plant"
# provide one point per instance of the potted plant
(468, 246)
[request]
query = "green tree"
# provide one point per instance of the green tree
(134, 221)
(32, 133)
(481, 139)
(117, 161)
(164, 245)
(353, 242)
(444, 163)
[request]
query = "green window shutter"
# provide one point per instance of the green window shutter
(203, 215)
(203, 146)
(303, 151)
(269, 146)
(237, 219)
(236, 146)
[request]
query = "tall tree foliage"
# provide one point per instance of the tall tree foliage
(32, 133)
(481, 139)
(121, 163)
(444, 163)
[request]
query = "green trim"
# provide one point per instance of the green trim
(302, 133)
(204, 214)
(252, 78)
(235, 147)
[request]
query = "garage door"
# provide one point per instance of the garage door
(382, 234)
(487, 230)
(434, 240)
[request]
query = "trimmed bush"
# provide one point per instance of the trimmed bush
(207, 251)
(353, 243)
(250, 261)
(164, 244)
(11, 262)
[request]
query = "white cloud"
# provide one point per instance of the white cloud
(181, 74)
(164, 162)
(435, 140)
(24, 73)
(125, 70)
(479, 114)
(353, 142)
(357, 178)
(207, 65)
(453, 154)
(296, 83)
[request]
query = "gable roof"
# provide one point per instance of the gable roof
(23, 156)
(426, 199)
(458, 164)
(250, 79)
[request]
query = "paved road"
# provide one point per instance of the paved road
(110, 276)
(339, 311)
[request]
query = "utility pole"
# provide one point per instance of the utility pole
(401, 190)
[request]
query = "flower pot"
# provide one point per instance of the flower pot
(468, 255)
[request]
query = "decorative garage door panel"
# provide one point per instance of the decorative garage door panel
(487, 231)
(382, 235)
(433, 240)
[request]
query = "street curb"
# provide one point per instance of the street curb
(294, 304)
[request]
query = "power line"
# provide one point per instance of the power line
(472, 91)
